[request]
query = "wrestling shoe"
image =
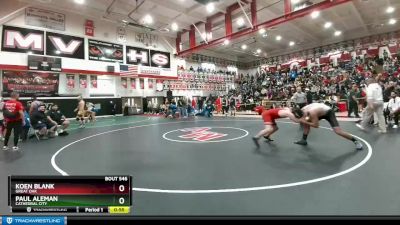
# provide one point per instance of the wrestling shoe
(15, 148)
(360, 126)
(5, 148)
(256, 142)
(301, 142)
(268, 139)
(359, 146)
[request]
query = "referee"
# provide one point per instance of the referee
(299, 98)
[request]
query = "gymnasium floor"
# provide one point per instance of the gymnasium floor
(176, 175)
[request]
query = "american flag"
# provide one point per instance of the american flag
(129, 70)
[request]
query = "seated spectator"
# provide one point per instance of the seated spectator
(394, 106)
(55, 116)
(40, 122)
(208, 110)
(25, 129)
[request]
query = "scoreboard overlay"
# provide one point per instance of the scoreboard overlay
(70, 194)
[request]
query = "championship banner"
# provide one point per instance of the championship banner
(82, 81)
(159, 85)
(30, 83)
(133, 83)
(124, 82)
(45, 18)
(105, 51)
(150, 82)
(93, 81)
(70, 81)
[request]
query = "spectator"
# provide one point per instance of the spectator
(352, 101)
(113, 108)
(34, 104)
(14, 116)
(91, 111)
(25, 129)
(309, 96)
(2, 127)
(184, 112)
(40, 122)
(55, 116)
(394, 106)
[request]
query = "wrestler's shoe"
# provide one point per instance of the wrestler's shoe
(268, 139)
(256, 142)
(301, 142)
(359, 146)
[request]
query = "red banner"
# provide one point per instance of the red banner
(124, 82)
(150, 81)
(70, 81)
(133, 83)
(93, 81)
(141, 83)
(82, 81)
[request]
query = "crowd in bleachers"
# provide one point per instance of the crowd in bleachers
(322, 83)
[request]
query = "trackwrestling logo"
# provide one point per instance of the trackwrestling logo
(49, 220)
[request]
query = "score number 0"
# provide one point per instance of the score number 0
(121, 200)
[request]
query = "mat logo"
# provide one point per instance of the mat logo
(201, 134)
(9, 220)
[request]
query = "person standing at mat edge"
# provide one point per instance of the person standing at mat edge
(374, 105)
(13, 112)
(299, 98)
(81, 112)
(315, 112)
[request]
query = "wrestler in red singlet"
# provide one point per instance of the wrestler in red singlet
(269, 116)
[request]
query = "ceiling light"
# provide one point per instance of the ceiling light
(338, 33)
(58, 52)
(240, 22)
(390, 9)
(79, 1)
(174, 26)
(295, 1)
(258, 51)
(210, 7)
(392, 21)
(291, 43)
(148, 19)
(124, 21)
(30, 53)
(244, 47)
(226, 42)
(314, 14)
(278, 38)
(328, 24)
(265, 35)
(262, 31)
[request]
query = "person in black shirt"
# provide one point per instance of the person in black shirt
(40, 122)
(353, 103)
(55, 116)
(309, 96)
